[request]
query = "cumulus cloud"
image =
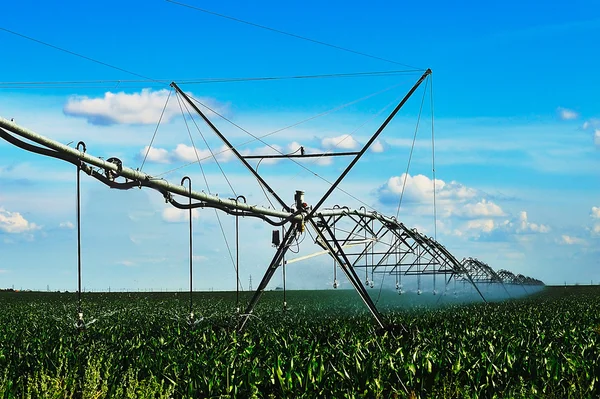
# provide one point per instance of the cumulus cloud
(593, 124)
(268, 150)
(188, 153)
(484, 225)
(14, 222)
(174, 215)
(595, 215)
(524, 226)
(502, 230)
(185, 153)
(483, 208)
(377, 146)
(567, 114)
(144, 107)
(199, 258)
(419, 188)
(127, 263)
(294, 146)
(345, 142)
(569, 240)
(156, 155)
(66, 225)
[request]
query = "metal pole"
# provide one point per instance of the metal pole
(279, 254)
(339, 254)
(79, 310)
(283, 272)
(231, 147)
(237, 257)
(191, 242)
(371, 140)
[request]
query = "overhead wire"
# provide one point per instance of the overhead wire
(210, 150)
(207, 185)
(433, 161)
(433, 172)
(290, 34)
(119, 82)
(280, 129)
(412, 149)
(156, 130)
(349, 135)
(279, 152)
(78, 55)
(259, 138)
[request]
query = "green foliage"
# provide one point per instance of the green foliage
(141, 345)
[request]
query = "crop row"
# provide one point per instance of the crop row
(142, 345)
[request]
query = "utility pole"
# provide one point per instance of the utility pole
(250, 284)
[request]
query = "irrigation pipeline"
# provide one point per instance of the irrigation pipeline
(113, 168)
(319, 219)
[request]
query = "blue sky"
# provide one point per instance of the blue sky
(517, 128)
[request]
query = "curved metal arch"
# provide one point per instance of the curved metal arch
(379, 244)
(480, 271)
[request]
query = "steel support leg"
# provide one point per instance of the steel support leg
(338, 254)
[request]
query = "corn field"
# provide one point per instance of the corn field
(142, 345)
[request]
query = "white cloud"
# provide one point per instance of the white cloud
(569, 240)
(483, 208)
(187, 153)
(127, 263)
(484, 225)
(321, 161)
(175, 215)
(3, 271)
(268, 150)
(489, 229)
(14, 222)
(525, 226)
(144, 107)
(595, 215)
(66, 225)
(419, 188)
(157, 155)
(345, 142)
(567, 114)
(591, 123)
(377, 146)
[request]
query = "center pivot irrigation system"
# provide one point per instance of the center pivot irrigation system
(360, 241)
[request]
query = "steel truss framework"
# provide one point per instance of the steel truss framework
(359, 241)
